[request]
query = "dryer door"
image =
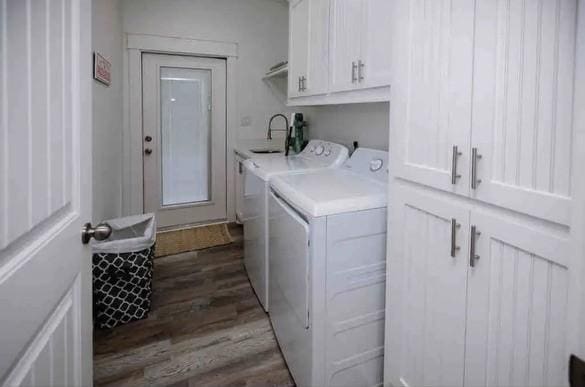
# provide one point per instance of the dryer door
(289, 287)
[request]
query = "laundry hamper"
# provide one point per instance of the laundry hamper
(122, 271)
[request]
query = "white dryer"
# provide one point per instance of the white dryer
(258, 171)
(328, 270)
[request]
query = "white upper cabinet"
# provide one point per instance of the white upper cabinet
(431, 92)
(523, 105)
(375, 53)
(346, 23)
(318, 82)
(298, 47)
(339, 51)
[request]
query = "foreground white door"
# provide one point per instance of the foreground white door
(45, 196)
(184, 128)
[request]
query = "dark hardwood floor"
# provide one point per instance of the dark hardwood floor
(206, 328)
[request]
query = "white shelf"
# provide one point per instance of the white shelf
(278, 73)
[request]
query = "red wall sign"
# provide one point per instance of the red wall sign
(101, 69)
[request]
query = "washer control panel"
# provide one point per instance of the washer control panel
(328, 152)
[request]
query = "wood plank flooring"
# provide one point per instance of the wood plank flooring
(206, 328)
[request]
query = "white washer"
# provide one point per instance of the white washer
(258, 172)
(328, 270)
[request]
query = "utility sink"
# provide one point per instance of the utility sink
(265, 151)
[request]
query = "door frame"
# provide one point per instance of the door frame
(132, 170)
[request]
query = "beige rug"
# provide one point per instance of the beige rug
(189, 239)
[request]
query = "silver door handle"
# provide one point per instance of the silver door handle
(354, 68)
(303, 83)
(475, 156)
(472, 246)
(100, 232)
(360, 70)
(299, 88)
(454, 159)
(454, 227)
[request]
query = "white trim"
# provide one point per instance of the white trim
(375, 94)
(132, 169)
(170, 44)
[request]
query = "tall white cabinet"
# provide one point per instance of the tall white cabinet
(486, 220)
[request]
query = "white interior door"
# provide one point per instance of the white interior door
(523, 94)
(45, 195)
(426, 290)
(184, 128)
(431, 60)
(517, 311)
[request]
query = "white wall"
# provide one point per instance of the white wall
(260, 27)
(366, 123)
(107, 39)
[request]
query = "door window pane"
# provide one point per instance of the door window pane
(185, 96)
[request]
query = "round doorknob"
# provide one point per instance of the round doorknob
(100, 232)
(148, 151)
(148, 139)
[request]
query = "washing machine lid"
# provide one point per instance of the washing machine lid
(360, 184)
(316, 155)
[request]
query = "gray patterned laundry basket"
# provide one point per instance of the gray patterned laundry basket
(122, 271)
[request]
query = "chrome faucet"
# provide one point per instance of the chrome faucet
(269, 134)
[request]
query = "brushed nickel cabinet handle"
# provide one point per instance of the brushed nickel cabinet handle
(303, 83)
(360, 70)
(475, 157)
(473, 256)
(299, 88)
(354, 68)
(454, 227)
(454, 159)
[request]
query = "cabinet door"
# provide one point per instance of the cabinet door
(375, 52)
(298, 45)
(318, 62)
(523, 105)
(431, 64)
(426, 290)
(517, 306)
(346, 26)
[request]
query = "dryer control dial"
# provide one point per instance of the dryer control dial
(376, 165)
(319, 150)
(327, 152)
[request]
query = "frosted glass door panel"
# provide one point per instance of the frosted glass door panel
(185, 98)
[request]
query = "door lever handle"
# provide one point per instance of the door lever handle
(148, 151)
